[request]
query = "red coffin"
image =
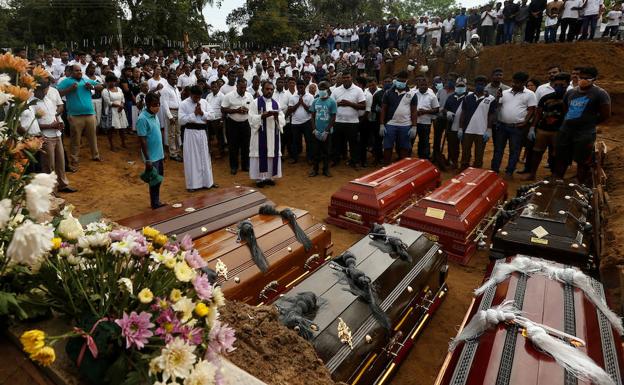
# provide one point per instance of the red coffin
(454, 211)
(379, 197)
(503, 356)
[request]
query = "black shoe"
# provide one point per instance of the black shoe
(159, 205)
(192, 190)
(334, 163)
(525, 171)
(313, 174)
(364, 165)
(269, 182)
(327, 174)
(245, 169)
(214, 185)
(233, 171)
(260, 184)
(68, 190)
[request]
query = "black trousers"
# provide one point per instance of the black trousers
(321, 153)
(346, 133)
(215, 129)
(296, 147)
(238, 136)
(533, 29)
(154, 191)
(367, 133)
(569, 25)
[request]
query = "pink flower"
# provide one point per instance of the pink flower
(195, 260)
(186, 243)
(202, 287)
(136, 328)
(120, 234)
(173, 247)
(192, 335)
(168, 324)
(221, 340)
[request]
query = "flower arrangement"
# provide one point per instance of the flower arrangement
(141, 307)
(146, 292)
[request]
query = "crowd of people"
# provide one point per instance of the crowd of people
(320, 104)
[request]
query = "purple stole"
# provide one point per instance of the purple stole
(263, 147)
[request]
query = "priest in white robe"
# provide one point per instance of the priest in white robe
(194, 114)
(266, 120)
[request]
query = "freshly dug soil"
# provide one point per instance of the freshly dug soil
(269, 351)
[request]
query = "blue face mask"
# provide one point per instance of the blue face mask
(323, 94)
(386, 87)
(460, 90)
(399, 85)
(439, 86)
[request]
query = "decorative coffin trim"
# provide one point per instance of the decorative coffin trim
(606, 337)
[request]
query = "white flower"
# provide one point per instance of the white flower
(5, 80)
(93, 240)
(185, 306)
(5, 212)
(175, 361)
(66, 251)
(124, 246)
(17, 220)
(70, 228)
(74, 260)
(4, 98)
(125, 283)
(30, 243)
(67, 210)
(217, 296)
(212, 317)
(39, 194)
(203, 374)
(98, 227)
(183, 272)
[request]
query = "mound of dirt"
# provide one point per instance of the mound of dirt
(269, 351)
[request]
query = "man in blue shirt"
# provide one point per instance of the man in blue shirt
(150, 137)
(323, 111)
(460, 27)
(80, 112)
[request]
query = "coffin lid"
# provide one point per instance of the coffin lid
(212, 209)
(224, 241)
(462, 200)
(387, 180)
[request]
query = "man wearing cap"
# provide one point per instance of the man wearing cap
(473, 51)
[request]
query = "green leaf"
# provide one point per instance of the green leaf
(133, 378)
(9, 305)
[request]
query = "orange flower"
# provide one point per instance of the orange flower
(20, 94)
(33, 144)
(40, 74)
(12, 64)
(28, 81)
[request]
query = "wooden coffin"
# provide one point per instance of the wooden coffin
(201, 214)
(381, 196)
(550, 219)
(503, 356)
(408, 292)
(288, 261)
(458, 211)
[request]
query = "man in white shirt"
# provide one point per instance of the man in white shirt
(235, 107)
(51, 126)
(488, 20)
(591, 10)
(427, 108)
(447, 28)
(569, 19)
(350, 100)
(194, 115)
(337, 52)
(230, 86)
(215, 125)
(299, 111)
(478, 113)
(170, 100)
(547, 88)
(517, 107)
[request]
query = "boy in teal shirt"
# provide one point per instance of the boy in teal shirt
(323, 111)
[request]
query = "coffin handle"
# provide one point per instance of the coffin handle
(270, 287)
(314, 258)
(393, 344)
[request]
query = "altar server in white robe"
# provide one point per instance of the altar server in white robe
(266, 121)
(194, 115)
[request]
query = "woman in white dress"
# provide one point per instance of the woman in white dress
(113, 104)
